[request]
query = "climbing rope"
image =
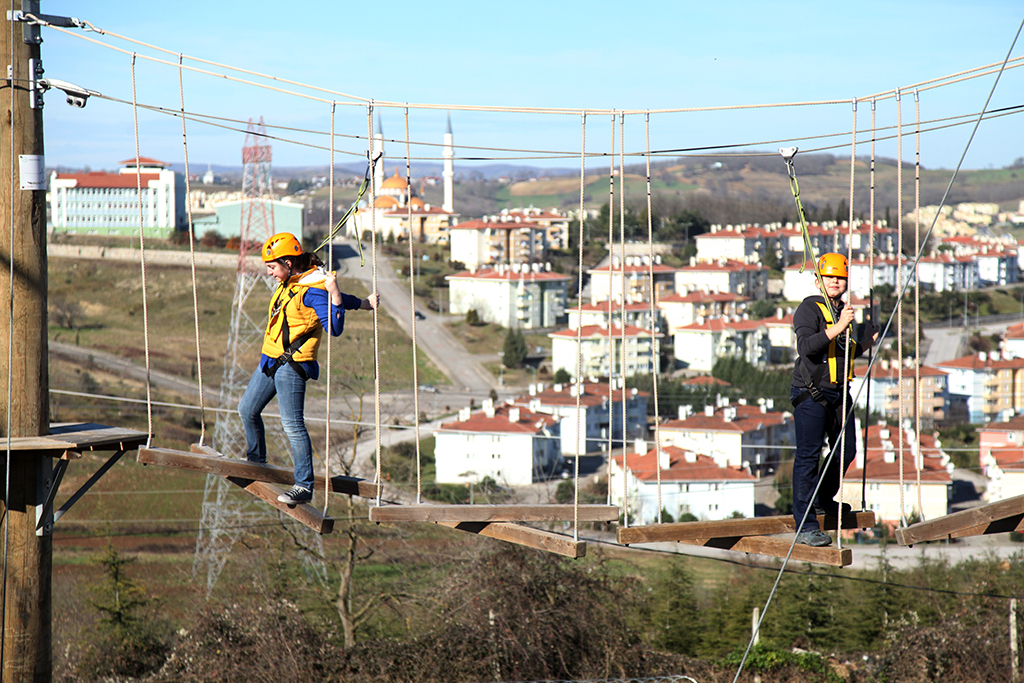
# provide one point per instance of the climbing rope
(611, 340)
(899, 301)
(622, 326)
(918, 454)
(330, 318)
(578, 379)
(192, 259)
(654, 341)
(142, 260)
(376, 333)
(412, 311)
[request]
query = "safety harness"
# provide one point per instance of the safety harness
(290, 347)
(812, 391)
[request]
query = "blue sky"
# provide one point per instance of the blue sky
(598, 55)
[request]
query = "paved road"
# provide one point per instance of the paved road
(432, 337)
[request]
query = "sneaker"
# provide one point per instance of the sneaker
(296, 495)
(815, 538)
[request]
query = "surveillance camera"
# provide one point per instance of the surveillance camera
(76, 94)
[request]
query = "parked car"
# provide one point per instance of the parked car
(420, 316)
(428, 388)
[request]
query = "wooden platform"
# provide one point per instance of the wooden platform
(1003, 515)
(493, 513)
(525, 536)
(731, 528)
(70, 439)
(206, 460)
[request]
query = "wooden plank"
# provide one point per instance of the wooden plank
(945, 527)
(493, 513)
(80, 436)
(230, 467)
(304, 513)
(778, 547)
(524, 535)
(999, 526)
(728, 528)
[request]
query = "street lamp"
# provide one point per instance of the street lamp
(501, 368)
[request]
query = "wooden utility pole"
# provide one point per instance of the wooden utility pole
(24, 387)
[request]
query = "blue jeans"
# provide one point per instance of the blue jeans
(813, 425)
(290, 390)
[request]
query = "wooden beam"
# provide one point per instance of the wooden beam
(778, 547)
(303, 513)
(493, 513)
(974, 518)
(524, 535)
(727, 528)
(1014, 523)
(229, 467)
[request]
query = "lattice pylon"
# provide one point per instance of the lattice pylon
(227, 512)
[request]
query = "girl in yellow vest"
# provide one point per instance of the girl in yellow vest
(307, 302)
(820, 378)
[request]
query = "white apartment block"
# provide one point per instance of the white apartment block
(1001, 456)
(101, 203)
(748, 279)
(600, 413)
(690, 483)
(508, 443)
(605, 352)
(521, 296)
(477, 243)
(755, 438)
(632, 282)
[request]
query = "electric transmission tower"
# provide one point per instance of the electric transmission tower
(226, 515)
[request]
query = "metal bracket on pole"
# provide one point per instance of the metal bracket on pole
(50, 482)
(30, 33)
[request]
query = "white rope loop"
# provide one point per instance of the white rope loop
(192, 259)
(578, 379)
(142, 261)
(412, 309)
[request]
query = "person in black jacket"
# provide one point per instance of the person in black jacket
(823, 368)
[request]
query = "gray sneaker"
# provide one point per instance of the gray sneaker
(815, 538)
(296, 495)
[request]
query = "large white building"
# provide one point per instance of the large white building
(736, 435)
(508, 443)
(521, 296)
(600, 413)
(632, 347)
(101, 203)
(1001, 455)
(690, 483)
(481, 242)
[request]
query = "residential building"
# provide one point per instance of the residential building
(885, 392)
(699, 345)
(688, 483)
(521, 296)
(634, 351)
(753, 437)
(508, 443)
(481, 242)
(687, 306)
(1001, 456)
(101, 203)
(632, 281)
(600, 414)
(890, 495)
(749, 279)
(637, 314)
(990, 385)
(1013, 340)
(556, 226)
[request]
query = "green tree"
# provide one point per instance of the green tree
(760, 309)
(561, 376)
(676, 618)
(472, 317)
(514, 349)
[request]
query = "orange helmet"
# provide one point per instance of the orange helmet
(280, 245)
(833, 264)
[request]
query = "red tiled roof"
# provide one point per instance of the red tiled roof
(702, 468)
(494, 274)
(101, 179)
(933, 471)
(972, 362)
(528, 423)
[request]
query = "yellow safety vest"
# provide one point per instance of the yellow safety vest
(833, 369)
(288, 318)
